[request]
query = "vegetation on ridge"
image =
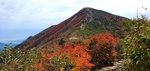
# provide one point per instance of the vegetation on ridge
(65, 57)
(136, 43)
(83, 24)
(90, 48)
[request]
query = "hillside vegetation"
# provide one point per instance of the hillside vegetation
(99, 50)
(83, 24)
(85, 55)
(136, 44)
(88, 40)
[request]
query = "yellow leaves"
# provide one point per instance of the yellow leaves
(148, 29)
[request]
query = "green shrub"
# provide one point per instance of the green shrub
(19, 60)
(90, 29)
(61, 61)
(136, 44)
(61, 41)
(34, 59)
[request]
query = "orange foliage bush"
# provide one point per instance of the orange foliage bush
(102, 49)
(101, 52)
(78, 55)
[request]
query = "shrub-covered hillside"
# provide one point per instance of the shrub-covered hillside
(98, 51)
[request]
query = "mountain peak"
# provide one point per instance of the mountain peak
(88, 14)
(74, 26)
(88, 8)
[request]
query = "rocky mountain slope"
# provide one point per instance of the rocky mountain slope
(86, 22)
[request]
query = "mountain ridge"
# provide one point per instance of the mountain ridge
(85, 15)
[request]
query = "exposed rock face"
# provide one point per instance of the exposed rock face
(88, 15)
(82, 17)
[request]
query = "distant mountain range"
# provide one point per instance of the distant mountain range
(13, 43)
(83, 24)
(2, 45)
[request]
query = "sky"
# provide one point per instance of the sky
(20, 19)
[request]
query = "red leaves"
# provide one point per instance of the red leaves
(78, 55)
(38, 65)
(102, 49)
(104, 40)
(47, 56)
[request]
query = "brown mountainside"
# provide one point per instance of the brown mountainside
(104, 20)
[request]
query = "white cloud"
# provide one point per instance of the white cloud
(40, 14)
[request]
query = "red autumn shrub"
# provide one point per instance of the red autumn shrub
(47, 56)
(78, 55)
(102, 49)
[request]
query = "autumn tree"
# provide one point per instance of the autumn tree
(78, 54)
(71, 57)
(102, 49)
